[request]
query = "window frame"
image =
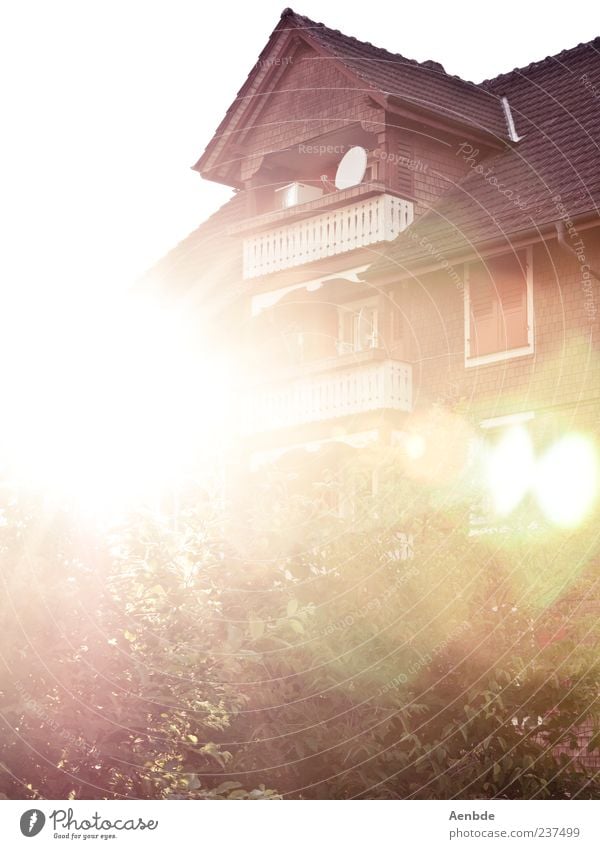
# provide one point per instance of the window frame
(512, 353)
(354, 308)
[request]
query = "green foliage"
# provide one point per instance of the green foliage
(114, 682)
(218, 655)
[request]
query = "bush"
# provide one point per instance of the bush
(217, 656)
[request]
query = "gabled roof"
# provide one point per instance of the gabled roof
(556, 106)
(423, 86)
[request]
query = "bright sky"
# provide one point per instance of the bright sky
(106, 105)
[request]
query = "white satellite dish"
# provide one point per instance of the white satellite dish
(351, 169)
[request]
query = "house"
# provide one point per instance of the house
(402, 242)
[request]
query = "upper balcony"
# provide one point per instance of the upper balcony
(330, 225)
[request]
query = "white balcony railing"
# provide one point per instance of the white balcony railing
(383, 385)
(364, 222)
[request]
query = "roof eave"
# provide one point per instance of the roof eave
(423, 265)
(408, 109)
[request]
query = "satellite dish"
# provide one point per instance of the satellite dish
(351, 169)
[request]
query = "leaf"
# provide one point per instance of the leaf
(213, 751)
(192, 781)
(192, 738)
(297, 626)
(257, 628)
(292, 607)
(129, 636)
(226, 786)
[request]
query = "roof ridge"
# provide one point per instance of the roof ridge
(438, 92)
(308, 23)
(538, 62)
(288, 12)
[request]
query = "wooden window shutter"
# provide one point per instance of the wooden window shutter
(511, 284)
(484, 312)
(405, 174)
(498, 305)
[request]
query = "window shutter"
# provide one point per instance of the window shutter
(405, 174)
(484, 320)
(511, 284)
(498, 305)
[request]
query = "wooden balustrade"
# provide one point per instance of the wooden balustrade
(386, 384)
(365, 222)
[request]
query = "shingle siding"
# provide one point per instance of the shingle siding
(312, 98)
(434, 167)
(565, 367)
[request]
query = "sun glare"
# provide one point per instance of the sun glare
(566, 481)
(112, 406)
(509, 470)
(415, 446)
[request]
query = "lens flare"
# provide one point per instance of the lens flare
(435, 448)
(509, 470)
(112, 407)
(415, 446)
(566, 480)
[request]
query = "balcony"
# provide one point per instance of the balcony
(342, 391)
(363, 222)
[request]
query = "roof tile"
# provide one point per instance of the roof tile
(556, 108)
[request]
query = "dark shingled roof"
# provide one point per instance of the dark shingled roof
(422, 84)
(556, 108)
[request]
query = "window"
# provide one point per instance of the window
(498, 308)
(308, 330)
(358, 329)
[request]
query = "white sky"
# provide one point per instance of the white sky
(106, 105)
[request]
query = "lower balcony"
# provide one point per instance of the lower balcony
(344, 391)
(318, 235)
